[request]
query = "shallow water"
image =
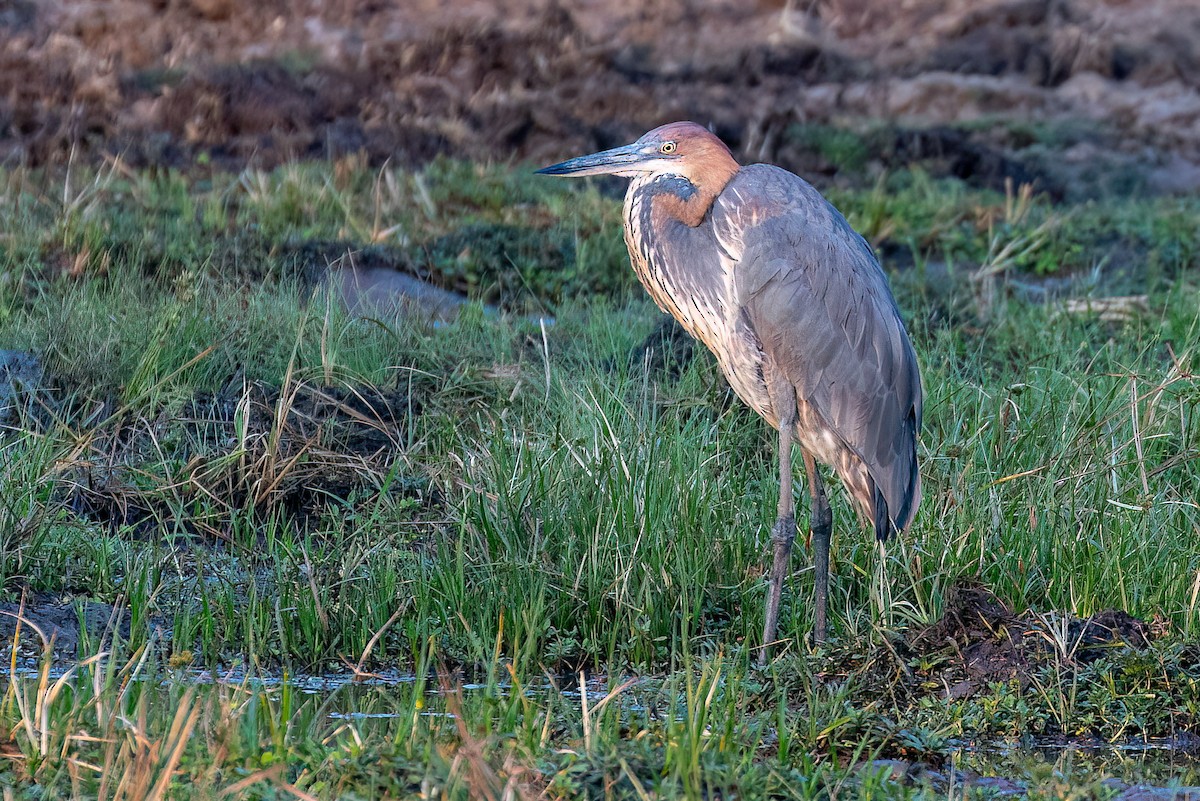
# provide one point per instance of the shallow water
(1134, 761)
(1020, 763)
(1027, 760)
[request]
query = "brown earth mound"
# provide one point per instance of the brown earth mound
(979, 640)
(170, 81)
(300, 451)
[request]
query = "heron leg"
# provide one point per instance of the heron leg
(784, 532)
(821, 526)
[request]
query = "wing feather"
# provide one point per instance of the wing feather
(819, 303)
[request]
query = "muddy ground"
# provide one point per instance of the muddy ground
(1055, 91)
(978, 643)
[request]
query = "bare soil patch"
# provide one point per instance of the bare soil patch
(60, 621)
(173, 82)
(980, 641)
(299, 450)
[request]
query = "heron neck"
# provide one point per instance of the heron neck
(689, 199)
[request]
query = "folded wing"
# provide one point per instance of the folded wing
(814, 295)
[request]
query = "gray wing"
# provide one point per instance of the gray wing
(817, 300)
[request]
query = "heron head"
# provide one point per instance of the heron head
(684, 149)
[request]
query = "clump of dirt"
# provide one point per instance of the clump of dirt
(60, 621)
(952, 151)
(299, 450)
(537, 79)
(666, 350)
(979, 640)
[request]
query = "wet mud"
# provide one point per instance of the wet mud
(39, 621)
(980, 640)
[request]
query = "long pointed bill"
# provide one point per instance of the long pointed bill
(609, 162)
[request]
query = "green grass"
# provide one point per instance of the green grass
(534, 502)
(124, 725)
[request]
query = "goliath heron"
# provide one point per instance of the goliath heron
(758, 266)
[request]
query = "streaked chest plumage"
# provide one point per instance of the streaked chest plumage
(689, 272)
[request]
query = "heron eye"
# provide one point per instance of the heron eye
(667, 147)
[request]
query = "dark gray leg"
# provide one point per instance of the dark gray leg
(821, 525)
(784, 532)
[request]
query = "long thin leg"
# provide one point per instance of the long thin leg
(784, 532)
(821, 525)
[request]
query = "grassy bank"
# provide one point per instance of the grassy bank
(260, 479)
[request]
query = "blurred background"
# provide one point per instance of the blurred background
(1072, 96)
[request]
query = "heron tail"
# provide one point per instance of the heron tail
(883, 520)
(902, 480)
(888, 520)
